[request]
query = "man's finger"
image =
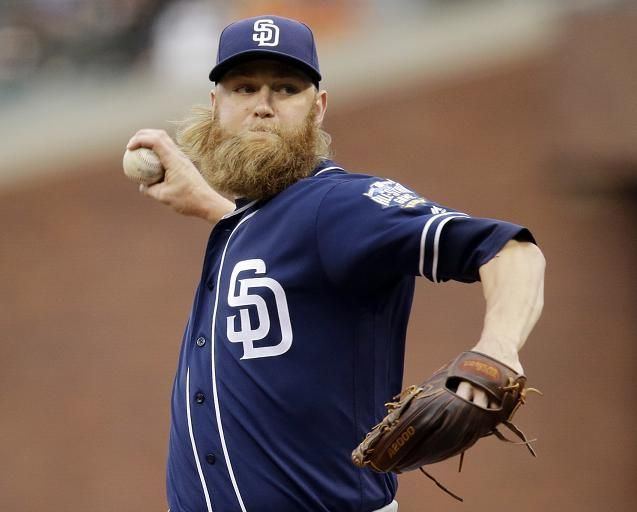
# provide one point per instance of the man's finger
(149, 138)
(465, 390)
(480, 398)
(155, 191)
(473, 394)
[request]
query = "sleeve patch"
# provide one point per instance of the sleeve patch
(389, 193)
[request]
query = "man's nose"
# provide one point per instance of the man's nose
(263, 108)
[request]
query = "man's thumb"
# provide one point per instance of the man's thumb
(153, 191)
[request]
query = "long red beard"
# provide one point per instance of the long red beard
(259, 164)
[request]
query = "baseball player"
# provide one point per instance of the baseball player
(296, 336)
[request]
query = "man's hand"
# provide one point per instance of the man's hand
(183, 188)
(429, 422)
(473, 394)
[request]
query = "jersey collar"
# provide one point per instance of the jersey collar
(324, 166)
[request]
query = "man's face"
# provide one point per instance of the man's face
(262, 133)
(263, 94)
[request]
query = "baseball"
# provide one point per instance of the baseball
(142, 165)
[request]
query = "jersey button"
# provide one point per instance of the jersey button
(201, 341)
(210, 284)
(210, 458)
(200, 398)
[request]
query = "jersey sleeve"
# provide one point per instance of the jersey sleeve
(372, 230)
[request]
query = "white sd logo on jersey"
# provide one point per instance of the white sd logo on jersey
(266, 33)
(246, 334)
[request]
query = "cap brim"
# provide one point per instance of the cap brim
(224, 66)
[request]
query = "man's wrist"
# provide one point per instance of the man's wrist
(213, 205)
(504, 351)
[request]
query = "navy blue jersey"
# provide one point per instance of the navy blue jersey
(296, 340)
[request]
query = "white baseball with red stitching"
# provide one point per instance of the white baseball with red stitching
(142, 165)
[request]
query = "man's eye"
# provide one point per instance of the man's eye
(288, 89)
(244, 89)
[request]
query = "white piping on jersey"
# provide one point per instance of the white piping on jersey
(423, 239)
(239, 210)
(194, 445)
(214, 371)
(434, 265)
(329, 169)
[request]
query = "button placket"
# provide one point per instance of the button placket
(210, 270)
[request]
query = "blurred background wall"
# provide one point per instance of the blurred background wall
(519, 110)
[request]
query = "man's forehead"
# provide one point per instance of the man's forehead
(269, 67)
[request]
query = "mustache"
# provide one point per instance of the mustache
(264, 127)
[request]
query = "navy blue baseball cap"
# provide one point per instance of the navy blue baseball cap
(267, 37)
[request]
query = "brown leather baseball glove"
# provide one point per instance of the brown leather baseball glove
(430, 423)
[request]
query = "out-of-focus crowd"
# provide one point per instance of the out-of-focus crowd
(68, 36)
(49, 39)
(43, 40)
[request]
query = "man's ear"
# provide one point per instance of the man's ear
(320, 104)
(213, 97)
